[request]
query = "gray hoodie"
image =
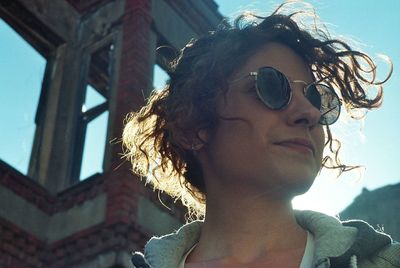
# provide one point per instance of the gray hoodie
(337, 244)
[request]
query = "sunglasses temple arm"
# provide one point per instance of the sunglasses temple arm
(328, 111)
(243, 77)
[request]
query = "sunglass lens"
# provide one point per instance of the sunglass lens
(325, 99)
(273, 88)
(314, 96)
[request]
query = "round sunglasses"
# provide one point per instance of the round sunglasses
(273, 88)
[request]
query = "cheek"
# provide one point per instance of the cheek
(319, 139)
(234, 145)
(235, 135)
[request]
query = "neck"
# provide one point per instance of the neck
(246, 226)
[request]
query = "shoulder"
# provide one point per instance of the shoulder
(139, 261)
(389, 257)
(390, 254)
(167, 251)
(342, 241)
(375, 248)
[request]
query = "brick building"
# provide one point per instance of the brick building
(49, 217)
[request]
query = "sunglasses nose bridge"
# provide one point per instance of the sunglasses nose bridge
(303, 84)
(305, 106)
(304, 88)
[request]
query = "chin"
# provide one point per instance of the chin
(302, 189)
(299, 184)
(289, 187)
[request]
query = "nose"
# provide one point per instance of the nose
(300, 111)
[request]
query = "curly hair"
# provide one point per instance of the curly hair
(198, 78)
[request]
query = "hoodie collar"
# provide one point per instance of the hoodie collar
(168, 250)
(332, 240)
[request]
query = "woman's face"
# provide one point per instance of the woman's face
(263, 148)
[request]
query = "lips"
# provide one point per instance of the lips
(297, 144)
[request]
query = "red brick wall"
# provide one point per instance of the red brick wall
(19, 249)
(134, 67)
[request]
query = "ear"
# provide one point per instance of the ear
(185, 143)
(195, 143)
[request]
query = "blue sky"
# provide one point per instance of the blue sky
(21, 70)
(375, 28)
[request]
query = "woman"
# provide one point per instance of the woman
(238, 132)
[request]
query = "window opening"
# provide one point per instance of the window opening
(94, 116)
(96, 133)
(22, 69)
